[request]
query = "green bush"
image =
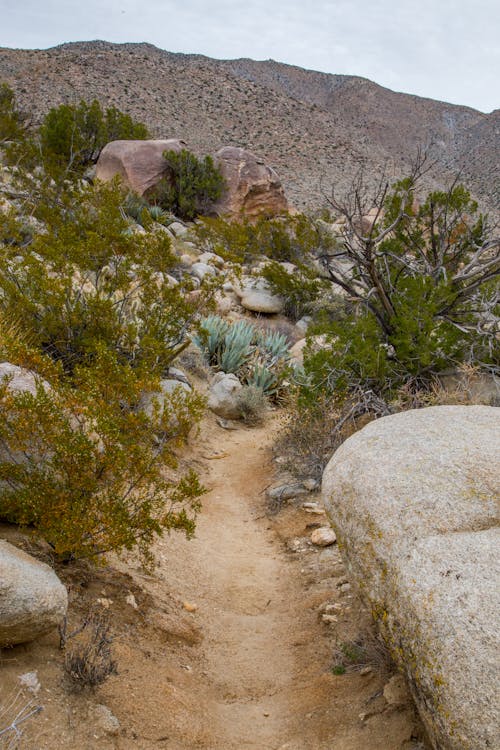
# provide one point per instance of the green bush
(422, 284)
(12, 123)
(299, 289)
(72, 136)
(85, 467)
(81, 462)
(86, 281)
(296, 239)
(191, 187)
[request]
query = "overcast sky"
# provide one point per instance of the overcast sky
(443, 49)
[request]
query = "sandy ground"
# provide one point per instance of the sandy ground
(225, 646)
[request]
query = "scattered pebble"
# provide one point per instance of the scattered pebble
(30, 681)
(329, 618)
(189, 607)
(323, 537)
(104, 602)
(130, 599)
(105, 720)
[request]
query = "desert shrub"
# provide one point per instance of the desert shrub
(12, 122)
(88, 660)
(85, 305)
(72, 136)
(191, 187)
(86, 281)
(422, 281)
(15, 710)
(86, 468)
(296, 239)
(252, 404)
(300, 290)
(259, 358)
(368, 650)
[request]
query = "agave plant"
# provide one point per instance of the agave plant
(213, 330)
(274, 344)
(159, 215)
(134, 206)
(238, 346)
(259, 359)
(264, 378)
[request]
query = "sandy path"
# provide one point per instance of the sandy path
(265, 671)
(250, 659)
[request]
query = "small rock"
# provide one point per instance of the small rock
(130, 599)
(323, 537)
(329, 618)
(313, 508)
(30, 681)
(396, 691)
(105, 720)
(212, 258)
(33, 600)
(190, 607)
(311, 484)
(263, 301)
(287, 491)
(178, 229)
(345, 587)
(366, 670)
(104, 602)
(223, 398)
(171, 281)
(200, 270)
(227, 424)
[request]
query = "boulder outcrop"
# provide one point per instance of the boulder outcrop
(223, 398)
(414, 500)
(253, 188)
(257, 296)
(20, 379)
(33, 600)
(139, 164)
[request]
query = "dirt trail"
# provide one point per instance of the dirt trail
(226, 646)
(268, 657)
(248, 590)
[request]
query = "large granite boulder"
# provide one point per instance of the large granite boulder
(21, 380)
(223, 398)
(253, 188)
(414, 500)
(257, 296)
(139, 164)
(33, 600)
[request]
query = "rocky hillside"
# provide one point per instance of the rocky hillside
(316, 129)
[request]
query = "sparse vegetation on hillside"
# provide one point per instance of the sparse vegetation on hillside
(12, 123)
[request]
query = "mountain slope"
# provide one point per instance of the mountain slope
(316, 129)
